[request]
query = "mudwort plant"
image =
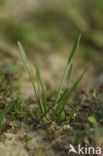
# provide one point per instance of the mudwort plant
(63, 97)
(57, 108)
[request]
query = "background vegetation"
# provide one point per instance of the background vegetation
(47, 30)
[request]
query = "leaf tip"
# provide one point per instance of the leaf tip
(79, 37)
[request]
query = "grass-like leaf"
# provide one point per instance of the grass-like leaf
(67, 67)
(24, 58)
(62, 99)
(7, 108)
(78, 81)
(69, 75)
(41, 86)
(67, 94)
(74, 49)
(59, 103)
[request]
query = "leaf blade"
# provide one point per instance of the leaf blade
(41, 85)
(24, 58)
(69, 75)
(67, 95)
(67, 67)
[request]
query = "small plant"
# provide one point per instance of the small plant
(8, 91)
(7, 108)
(63, 97)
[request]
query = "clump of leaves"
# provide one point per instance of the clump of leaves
(63, 97)
(7, 100)
(7, 107)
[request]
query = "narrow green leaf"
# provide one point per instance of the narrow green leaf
(74, 49)
(69, 75)
(63, 99)
(24, 58)
(74, 87)
(41, 86)
(67, 67)
(61, 105)
(7, 108)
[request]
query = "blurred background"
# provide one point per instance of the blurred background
(47, 30)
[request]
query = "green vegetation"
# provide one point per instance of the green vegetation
(19, 31)
(53, 24)
(66, 113)
(38, 80)
(3, 2)
(61, 110)
(62, 96)
(64, 17)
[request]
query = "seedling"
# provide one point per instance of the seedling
(61, 101)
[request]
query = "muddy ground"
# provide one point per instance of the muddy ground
(51, 64)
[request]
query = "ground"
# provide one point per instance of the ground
(20, 135)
